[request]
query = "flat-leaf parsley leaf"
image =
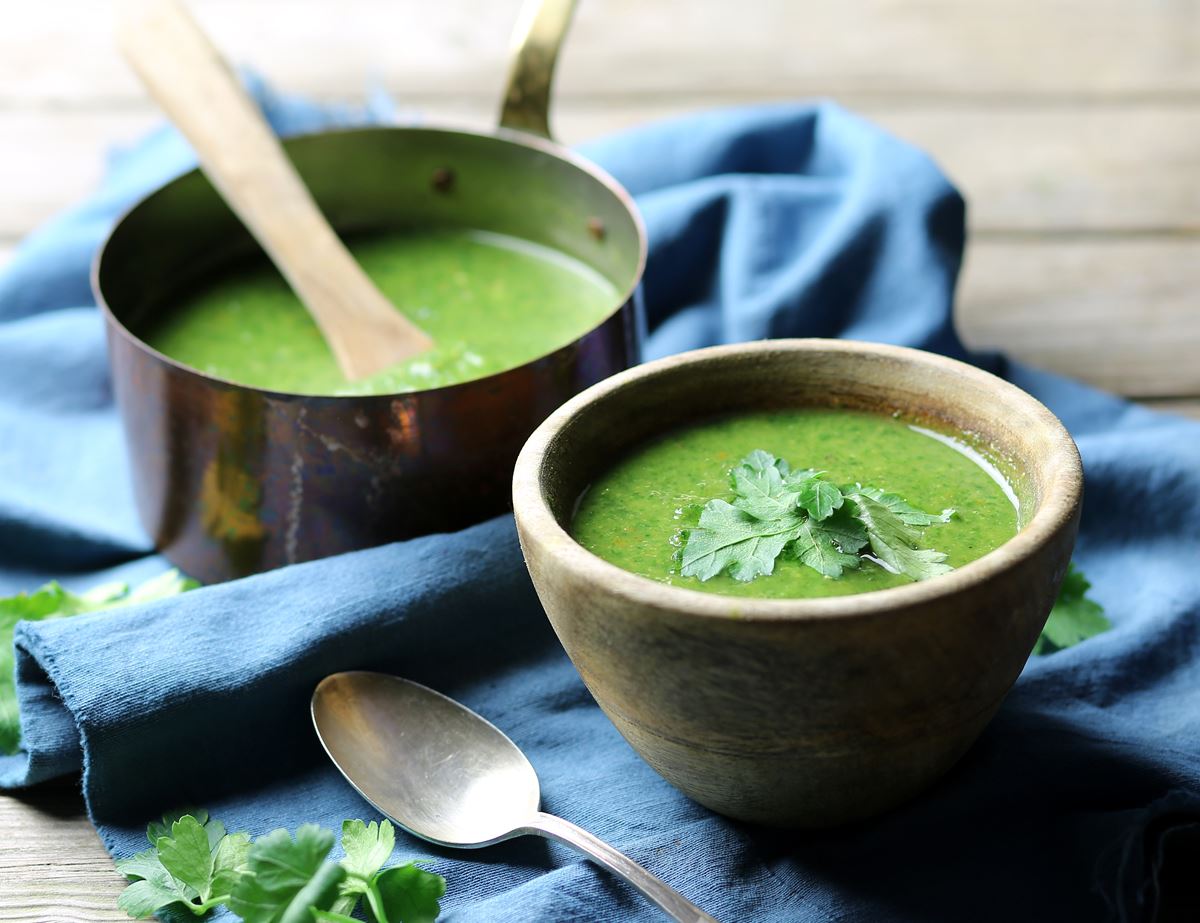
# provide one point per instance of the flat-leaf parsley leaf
(819, 498)
(825, 527)
(730, 539)
(894, 541)
(1074, 617)
(278, 878)
(193, 863)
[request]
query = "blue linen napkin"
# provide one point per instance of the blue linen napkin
(1079, 801)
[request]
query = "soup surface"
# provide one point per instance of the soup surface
(490, 302)
(637, 514)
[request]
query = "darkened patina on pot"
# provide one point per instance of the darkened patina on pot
(231, 479)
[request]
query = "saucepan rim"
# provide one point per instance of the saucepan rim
(501, 134)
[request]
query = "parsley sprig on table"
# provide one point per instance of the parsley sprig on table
(797, 513)
(277, 878)
(53, 602)
(1074, 617)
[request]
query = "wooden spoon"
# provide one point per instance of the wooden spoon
(246, 163)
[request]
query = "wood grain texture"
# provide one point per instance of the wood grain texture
(1084, 49)
(53, 867)
(1132, 168)
(1122, 313)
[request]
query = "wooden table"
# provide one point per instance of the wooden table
(1073, 126)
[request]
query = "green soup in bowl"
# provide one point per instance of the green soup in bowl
(640, 514)
(793, 698)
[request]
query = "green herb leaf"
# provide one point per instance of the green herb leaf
(368, 847)
(53, 602)
(156, 830)
(154, 887)
(845, 529)
(729, 539)
(408, 894)
(165, 585)
(761, 493)
(286, 877)
(896, 543)
(277, 879)
(141, 865)
(187, 855)
(144, 898)
(910, 515)
(760, 461)
(819, 498)
(817, 548)
(193, 863)
(1074, 617)
(230, 863)
(825, 527)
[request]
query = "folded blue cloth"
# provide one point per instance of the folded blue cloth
(790, 220)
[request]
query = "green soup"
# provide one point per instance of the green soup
(636, 514)
(490, 302)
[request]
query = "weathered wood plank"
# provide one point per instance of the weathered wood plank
(1128, 168)
(61, 52)
(53, 866)
(50, 160)
(1121, 313)
(1132, 168)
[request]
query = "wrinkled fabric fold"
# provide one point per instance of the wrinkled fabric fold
(784, 220)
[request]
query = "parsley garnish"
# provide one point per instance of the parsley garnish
(777, 511)
(53, 602)
(1074, 617)
(278, 878)
(799, 514)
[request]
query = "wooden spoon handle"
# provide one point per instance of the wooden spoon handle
(245, 161)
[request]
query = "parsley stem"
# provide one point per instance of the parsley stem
(375, 900)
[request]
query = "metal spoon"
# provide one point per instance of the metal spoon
(445, 774)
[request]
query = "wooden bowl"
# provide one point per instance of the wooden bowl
(806, 712)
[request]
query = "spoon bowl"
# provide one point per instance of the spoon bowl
(427, 762)
(449, 776)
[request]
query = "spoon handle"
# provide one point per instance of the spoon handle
(671, 901)
(242, 157)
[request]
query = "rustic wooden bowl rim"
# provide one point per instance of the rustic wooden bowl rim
(1057, 508)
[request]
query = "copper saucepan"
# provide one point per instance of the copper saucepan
(232, 479)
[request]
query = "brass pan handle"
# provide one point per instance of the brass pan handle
(538, 35)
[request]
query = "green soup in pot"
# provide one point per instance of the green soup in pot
(490, 301)
(637, 514)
